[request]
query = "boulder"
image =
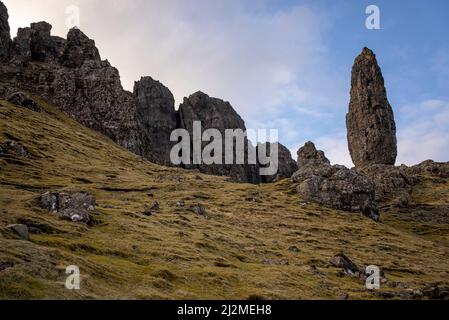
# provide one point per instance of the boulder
(75, 207)
(370, 120)
(12, 147)
(23, 100)
(156, 116)
(21, 230)
(343, 262)
(335, 186)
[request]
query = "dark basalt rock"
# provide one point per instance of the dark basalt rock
(23, 100)
(309, 155)
(5, 34)
(370, 121)
(286, 165)
(75, 207)
(79, 49)
(217, 114)
(334, 186)
(156, 116)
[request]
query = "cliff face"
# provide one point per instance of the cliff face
(370, 121)
(156, 116)
(70, 74)
(5, 36)
(217, 114)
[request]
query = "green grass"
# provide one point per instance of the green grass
(240, 250)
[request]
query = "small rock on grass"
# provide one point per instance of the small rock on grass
(21, 230)
(198, 209)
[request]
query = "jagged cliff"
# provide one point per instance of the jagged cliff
(70, 73)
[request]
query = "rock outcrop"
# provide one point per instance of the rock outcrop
(309, 155)
(335, 186)
(5, 34)
(217, 114)
(286, 165)
(75, 207)
(156, 116)
(79, 49)
(70, 74)
(370, 121)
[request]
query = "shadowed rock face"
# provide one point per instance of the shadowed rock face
(78, 49)
(156, 115)
(5, 35)
(70, 74)
(286, 165)
(370, 121)
(216, 114)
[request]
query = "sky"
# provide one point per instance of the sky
(282, 64)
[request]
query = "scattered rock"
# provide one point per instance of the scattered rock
(5, 265)
(335, 186)
(430, 167)
(21, 99)
(342, 261)
(370, 120)
(75, 207)
(198, 209)
(149, 210)
(14, 148)
(294, 249)
(21, 230)
(180, 204)
(436, 292)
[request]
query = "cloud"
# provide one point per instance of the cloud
(423, 132)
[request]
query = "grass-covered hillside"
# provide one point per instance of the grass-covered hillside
(252, 242)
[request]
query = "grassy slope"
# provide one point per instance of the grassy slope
(240, 250)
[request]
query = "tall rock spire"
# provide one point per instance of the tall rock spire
(370, 121)
(5, 34)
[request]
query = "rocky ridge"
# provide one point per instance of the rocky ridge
(70, 73)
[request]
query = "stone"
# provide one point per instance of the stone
(156, 116)
(23, 100)
(430, 167)
(370, 120)
(198, 209)
(79, 49)
(21, 230)
(149, 210)
(286, 165)
(35, 43)
(5, 265)
(217, 114)
(335, 186)
(13, 148)
(5, 33)
(390, 181)
(309, 155)
(75, 207)
(342, 261)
